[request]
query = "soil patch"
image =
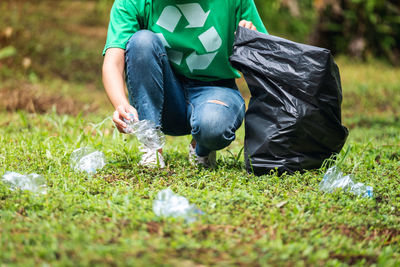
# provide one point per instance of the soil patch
(29, 98)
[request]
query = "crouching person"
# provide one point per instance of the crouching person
(173, 58)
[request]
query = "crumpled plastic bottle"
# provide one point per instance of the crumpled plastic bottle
(87, 159)
(32, 182)
(146, 132)
(168, 204)
(334, 179)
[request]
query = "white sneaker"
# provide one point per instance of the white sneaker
(151, 158)
(208, 161)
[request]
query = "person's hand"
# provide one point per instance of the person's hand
(247, 24)
(126, 112)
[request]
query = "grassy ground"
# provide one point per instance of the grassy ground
(107, 219)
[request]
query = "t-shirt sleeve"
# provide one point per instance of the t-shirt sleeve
(248, 11)
(123, 23)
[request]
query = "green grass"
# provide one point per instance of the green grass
(107, 219)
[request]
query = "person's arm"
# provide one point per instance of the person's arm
(113, 80)
(123, 24)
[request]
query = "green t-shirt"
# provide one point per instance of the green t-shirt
(198, 35)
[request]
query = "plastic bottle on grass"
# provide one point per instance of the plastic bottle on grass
(146, 132)
(31, 182)
(168, 204)
(87, 159)
(334, 179)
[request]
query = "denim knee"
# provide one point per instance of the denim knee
(143, 45)
(213, 131)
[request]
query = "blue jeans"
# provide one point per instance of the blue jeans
(210, 111)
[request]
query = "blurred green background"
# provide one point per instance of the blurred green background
(51, 50)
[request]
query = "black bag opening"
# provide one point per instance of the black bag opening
(293, 122)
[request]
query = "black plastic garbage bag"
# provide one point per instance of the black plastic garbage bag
(293, 121)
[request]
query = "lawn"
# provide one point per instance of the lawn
(107, 218)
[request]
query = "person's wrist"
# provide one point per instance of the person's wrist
(121, 104)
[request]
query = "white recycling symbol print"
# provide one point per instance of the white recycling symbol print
(196, 17)
(194, 14)
(169, 18)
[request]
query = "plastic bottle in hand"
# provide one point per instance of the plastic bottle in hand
(146, 132)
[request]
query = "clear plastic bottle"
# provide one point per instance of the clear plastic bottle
(87, 159)
(334, 179)
(169, 204)
(146, 132)
(31, 182)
